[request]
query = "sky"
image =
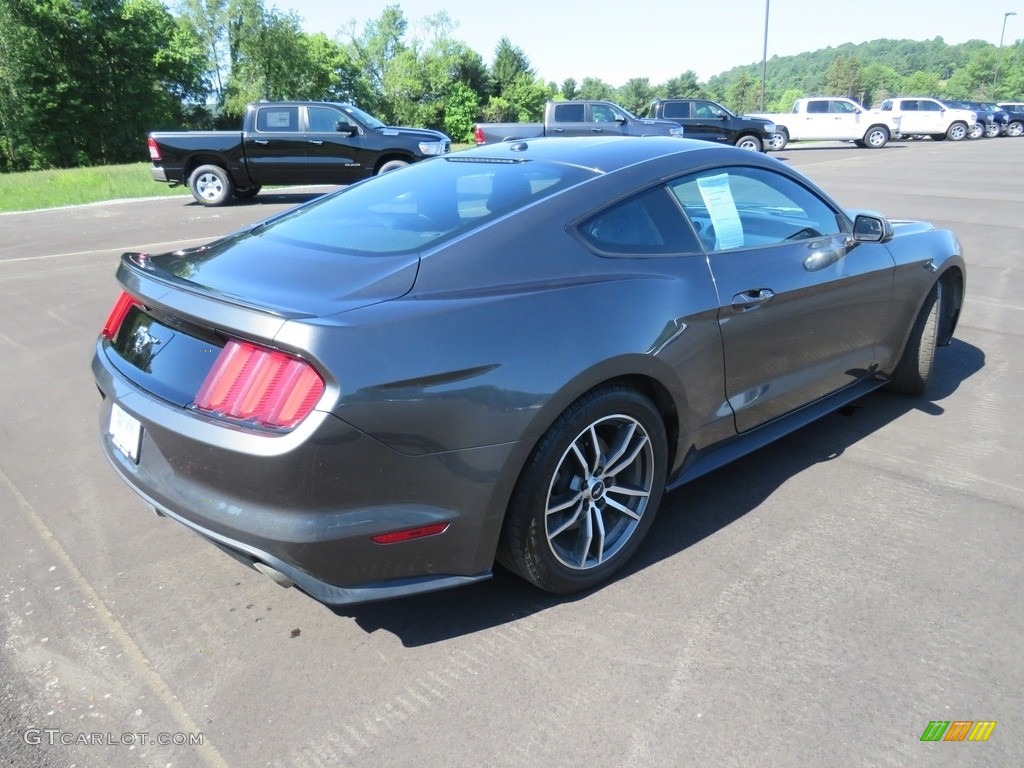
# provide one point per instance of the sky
(661, 39)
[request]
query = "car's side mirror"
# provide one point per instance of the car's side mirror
(346, 128)
(871, 228)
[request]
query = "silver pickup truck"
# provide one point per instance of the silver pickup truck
(577, 118)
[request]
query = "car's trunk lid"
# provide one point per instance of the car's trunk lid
(287, 279)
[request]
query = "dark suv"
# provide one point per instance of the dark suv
(709, 121)
(1015, 115)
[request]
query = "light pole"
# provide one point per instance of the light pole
(764, 53)
(999, 52)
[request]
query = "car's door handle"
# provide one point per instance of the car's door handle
(314, 141)
(558, 130)
(261, 141)
(597, 130)
(752, 299)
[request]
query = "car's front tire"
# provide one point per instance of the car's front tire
(589, 492)
(391, 165)
(976, 131)
(750, 142)
(957, 132)
(992, 130)
(779, 140)
(876, 137)
(211, 185)
(914, 370)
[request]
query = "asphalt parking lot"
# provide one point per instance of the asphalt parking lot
(817, 603)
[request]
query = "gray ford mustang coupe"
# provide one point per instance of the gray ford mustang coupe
(507, 353)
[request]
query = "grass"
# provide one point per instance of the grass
(33, 190)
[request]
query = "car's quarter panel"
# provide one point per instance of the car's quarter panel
(310, 498)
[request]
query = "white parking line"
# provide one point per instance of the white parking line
(143, 247)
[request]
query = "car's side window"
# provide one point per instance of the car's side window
(324, 119)
(746, 207)
(646, 224)
(277, 119)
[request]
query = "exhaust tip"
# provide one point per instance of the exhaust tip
(274, 574)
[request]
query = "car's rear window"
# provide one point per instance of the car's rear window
(422, 205)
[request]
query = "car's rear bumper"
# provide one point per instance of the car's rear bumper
(307, 503)
(158, 173)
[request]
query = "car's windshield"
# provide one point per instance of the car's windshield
(364, 117)
(422, 205)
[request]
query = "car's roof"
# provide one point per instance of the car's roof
(607, 153)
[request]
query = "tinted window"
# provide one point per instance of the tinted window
(843, 107)
(643, 225)
(930, 106)
(569, 113)
(421, 205)
(677, 109)
(817, 107)
(275, 119)
(734, 208)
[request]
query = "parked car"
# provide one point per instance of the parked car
(508, 352)
(923, 116)
(992, 119)
(283, 143)
(831, 118)
(708, 121)
(1015, 118)
(577, 118)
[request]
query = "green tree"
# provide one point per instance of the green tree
(595, 88)
(636, 95)
(743, 94)
(569, 89)
(844, 77)
(922, 84)
(83, 80)
(685, 86)
(510, 64)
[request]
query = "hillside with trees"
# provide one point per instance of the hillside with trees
(83, 81)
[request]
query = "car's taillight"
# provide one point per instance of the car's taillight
(253, 383)
(118, 313)
(154, 150)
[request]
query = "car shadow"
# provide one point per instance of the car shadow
(688, 515)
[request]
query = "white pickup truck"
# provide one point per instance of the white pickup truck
(929, 117)
(831, 118)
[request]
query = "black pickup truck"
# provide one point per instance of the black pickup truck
(709, 121)
(577, 118)
(295, 142)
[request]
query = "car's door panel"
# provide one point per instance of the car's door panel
(276, 149)
(801, 305)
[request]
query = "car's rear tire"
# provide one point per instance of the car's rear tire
(750, 142)
(1016, 128)
(211, 185)
(877, 136)
(976, 131)
(992, 130)
(588, 493)
(914, 370)
(779, 140)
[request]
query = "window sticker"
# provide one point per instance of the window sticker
(722, 210)
(278, 120)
